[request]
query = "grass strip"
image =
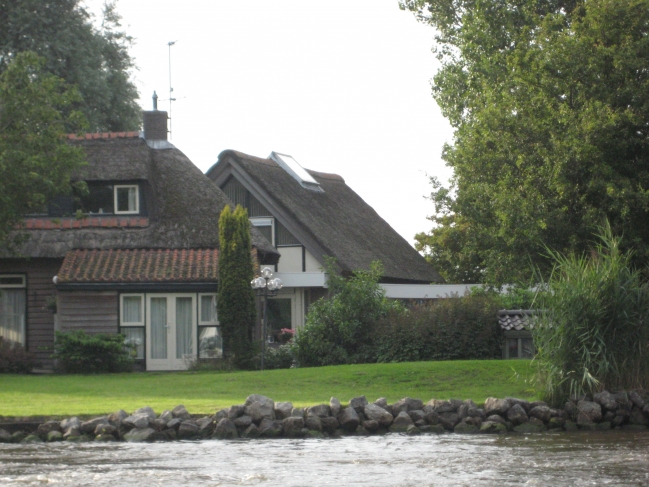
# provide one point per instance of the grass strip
(207, 392)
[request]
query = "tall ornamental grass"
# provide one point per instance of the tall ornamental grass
(592, 331)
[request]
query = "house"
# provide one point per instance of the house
(516, 325)
(308, 216)
(141, 261)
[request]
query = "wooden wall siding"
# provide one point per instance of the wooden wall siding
(92, 312)
(40, 320)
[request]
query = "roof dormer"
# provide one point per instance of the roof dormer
(292, 167)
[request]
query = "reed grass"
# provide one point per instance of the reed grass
(593, 329)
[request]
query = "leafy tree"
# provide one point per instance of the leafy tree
(96, 60)
(550, 101)
(236, 299)
(35, 160)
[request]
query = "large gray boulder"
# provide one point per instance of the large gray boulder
(440, 406)
(180, 412)
(140, 434)
(321, 410)
(292, 426)
(283, 409)
(260, 408)
(335, 406)
(406, 404)
(68, 423)
(329, 424)
(348, 419)
(521, 402)
(449, 420)
(188, 429)
(358, 403)
(269, 428)
(89, 427)
(5, 436)
(493, 427)
(135, 421)
(496, 406)
(165, 416)
(517, 415)
(589, 412)
(236, 411)
(205, 426)
(636, 399)
(313, 422)
(243, 421)
(146, 410)
(544, 413)
(375, 413)
(401, 422)
(606, 400)
(225, 430)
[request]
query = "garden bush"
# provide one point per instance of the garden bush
(338, 327)
(80, 353)
(282, 357)
(14, 359)
(593, 329)
(446, 329)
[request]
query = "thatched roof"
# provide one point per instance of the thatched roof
(183, 205)
(335, 222)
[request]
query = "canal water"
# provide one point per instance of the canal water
(566, 459)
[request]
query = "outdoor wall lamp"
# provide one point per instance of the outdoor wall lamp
(265, 286)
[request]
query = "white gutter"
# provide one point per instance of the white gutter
(426, 291)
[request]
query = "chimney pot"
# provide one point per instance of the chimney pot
(155, 125)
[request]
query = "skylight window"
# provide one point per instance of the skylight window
(292, 167)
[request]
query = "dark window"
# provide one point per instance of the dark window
(99, 199)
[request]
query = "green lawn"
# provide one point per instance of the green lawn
(206, 392)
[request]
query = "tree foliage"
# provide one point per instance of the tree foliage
(236, 299)
(35, 159)
(549, 100)
(95, 59)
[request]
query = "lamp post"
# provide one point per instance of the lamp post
(265, 286)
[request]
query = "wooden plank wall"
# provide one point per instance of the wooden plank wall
(90, 311)
(40, 320)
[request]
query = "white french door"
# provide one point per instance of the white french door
(170, 331)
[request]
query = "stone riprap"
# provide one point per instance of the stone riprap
(261, 417)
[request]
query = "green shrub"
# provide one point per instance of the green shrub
(338, 327)
(81, 353)
(282, 357)
(446, 329)
(593, 331)
(14, 359)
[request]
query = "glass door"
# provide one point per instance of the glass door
(171, 331)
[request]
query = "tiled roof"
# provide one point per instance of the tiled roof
(94, 222)
(124, 266)
(104, 135)
(516, 319)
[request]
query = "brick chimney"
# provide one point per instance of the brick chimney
(155, 125)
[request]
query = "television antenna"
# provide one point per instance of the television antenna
(171, 99)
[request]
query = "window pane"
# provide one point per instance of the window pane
(12, 281)
(98, 200)
(512, 346)
(266, 231)
(210, 344)
(208, 309)
(135, 337)
(278, 316)
(12, 315)
(183, 327)
(126, 199)
(158, 328)
(132, 312)
(527, 346)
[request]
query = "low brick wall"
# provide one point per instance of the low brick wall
(261, 417)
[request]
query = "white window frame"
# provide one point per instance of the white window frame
(23, 284)
(127, 324)
(137, 199)
(265, 222)
(200, 302)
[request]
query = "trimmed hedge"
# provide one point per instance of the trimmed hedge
(80, 353)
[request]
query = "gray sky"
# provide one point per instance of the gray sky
(342, 86)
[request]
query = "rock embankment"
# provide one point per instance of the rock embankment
(261, 417)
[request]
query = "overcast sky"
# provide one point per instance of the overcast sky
(342, 86)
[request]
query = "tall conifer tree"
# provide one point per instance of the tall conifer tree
(236, 299)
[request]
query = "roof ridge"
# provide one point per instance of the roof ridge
(103, 135)
(326, 175)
